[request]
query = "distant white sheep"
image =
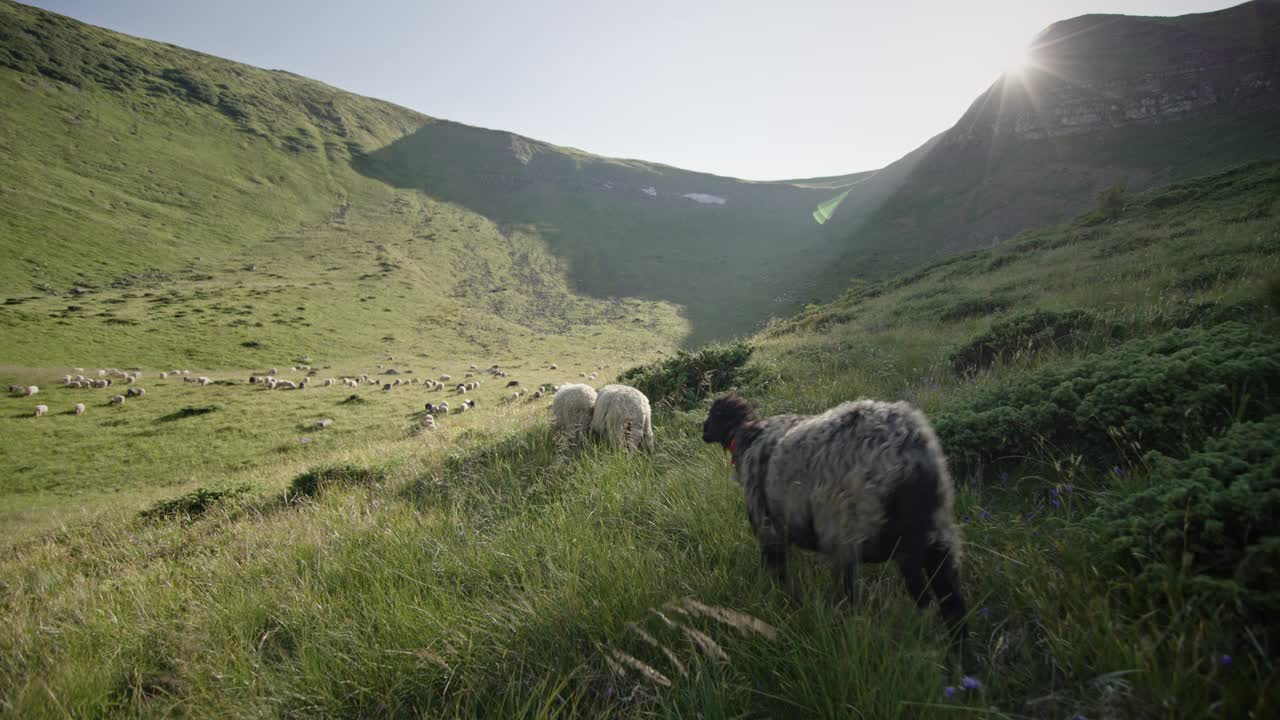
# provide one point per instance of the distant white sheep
(328, 382)
(31, 390)
(324, 423)
(204, 380)
(79, 408)
(623, 417)
(165, 376)
(117, 400)
(41, 410)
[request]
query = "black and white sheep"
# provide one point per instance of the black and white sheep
(864, 482)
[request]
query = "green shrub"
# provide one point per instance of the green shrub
(316, 480)
(1111, 203)
(684, 380)
(193, 504)
(1161, 393)
(1025, 333)
(1211, 520)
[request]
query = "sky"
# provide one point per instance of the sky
(752, 89)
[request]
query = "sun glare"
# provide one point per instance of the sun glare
(1018, 60)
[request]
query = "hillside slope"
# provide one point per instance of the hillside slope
(125, 162)
(1106, 100)
(486, 569)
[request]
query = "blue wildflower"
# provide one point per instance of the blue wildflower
(985, 612)
(1069, 488)
(971, 683)
(1117, 470)
(1054, 502)
(986, 515)
(1225, 660)
(1053, 491)
(949, 692)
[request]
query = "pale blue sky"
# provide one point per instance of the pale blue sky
(761, 90)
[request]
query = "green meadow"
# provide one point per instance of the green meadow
(1108, 390)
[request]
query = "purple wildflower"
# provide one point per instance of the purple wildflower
(1054, 502)
(965, 519)
(1069, 488)
(971, 683)
(1117, 470)
(986, 515)
(1053, 491)
(1225, 660)
(985, 612)
(949, 692)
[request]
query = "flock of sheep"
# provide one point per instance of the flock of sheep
(864, 482)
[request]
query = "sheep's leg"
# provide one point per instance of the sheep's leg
(911, 565)
(944, 574)
(774, 556)
(844, 564)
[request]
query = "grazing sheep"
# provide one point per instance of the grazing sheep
(287, 385)
(165, 376)
(863, 482)
(272, 371)
(622, 416)
(31, 390)
(386, 387)
(204, 380)
(117, 400)
(135, 392)
(324, 423)
(79, 408)
(461, 408)
(571, 410)
(445, 378)
(469, 403)
(431, 407)
(513, 383)
(461, 389)
(443, 408)
(66, 379)
(429, 421)
(41, 410)
(554, 366)
(328, 382)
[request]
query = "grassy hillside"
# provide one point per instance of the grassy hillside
(131, 166)
(488, 570)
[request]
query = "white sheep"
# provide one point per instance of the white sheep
(429, 421)
(622, 416)
(445, 378)
(31, 390)
(443, 408)
(204, 380)
(328, 382)
(165, 376)
(79, 408)
(117, 400)
(41, 410)
(571, 409)
(324, 423)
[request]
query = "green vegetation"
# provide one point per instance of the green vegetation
(485, 569)
(1107, 391)
(684, 380)
(1208, 521)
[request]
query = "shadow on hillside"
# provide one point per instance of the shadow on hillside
(628, 229)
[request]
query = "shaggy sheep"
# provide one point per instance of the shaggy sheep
(443, 408)
(117, 400)
(79, 408)
(571, 409)
(41, 410)
(622, 416)
(31, 390)
(863, 482)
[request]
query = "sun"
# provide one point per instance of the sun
(1018, 60)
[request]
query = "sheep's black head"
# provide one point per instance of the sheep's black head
(728, 413)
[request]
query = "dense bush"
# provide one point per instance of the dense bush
(1162, 393)
(1025, 333)
(1211, 520)
(193, 504)
(684, 380)
(314, 481)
